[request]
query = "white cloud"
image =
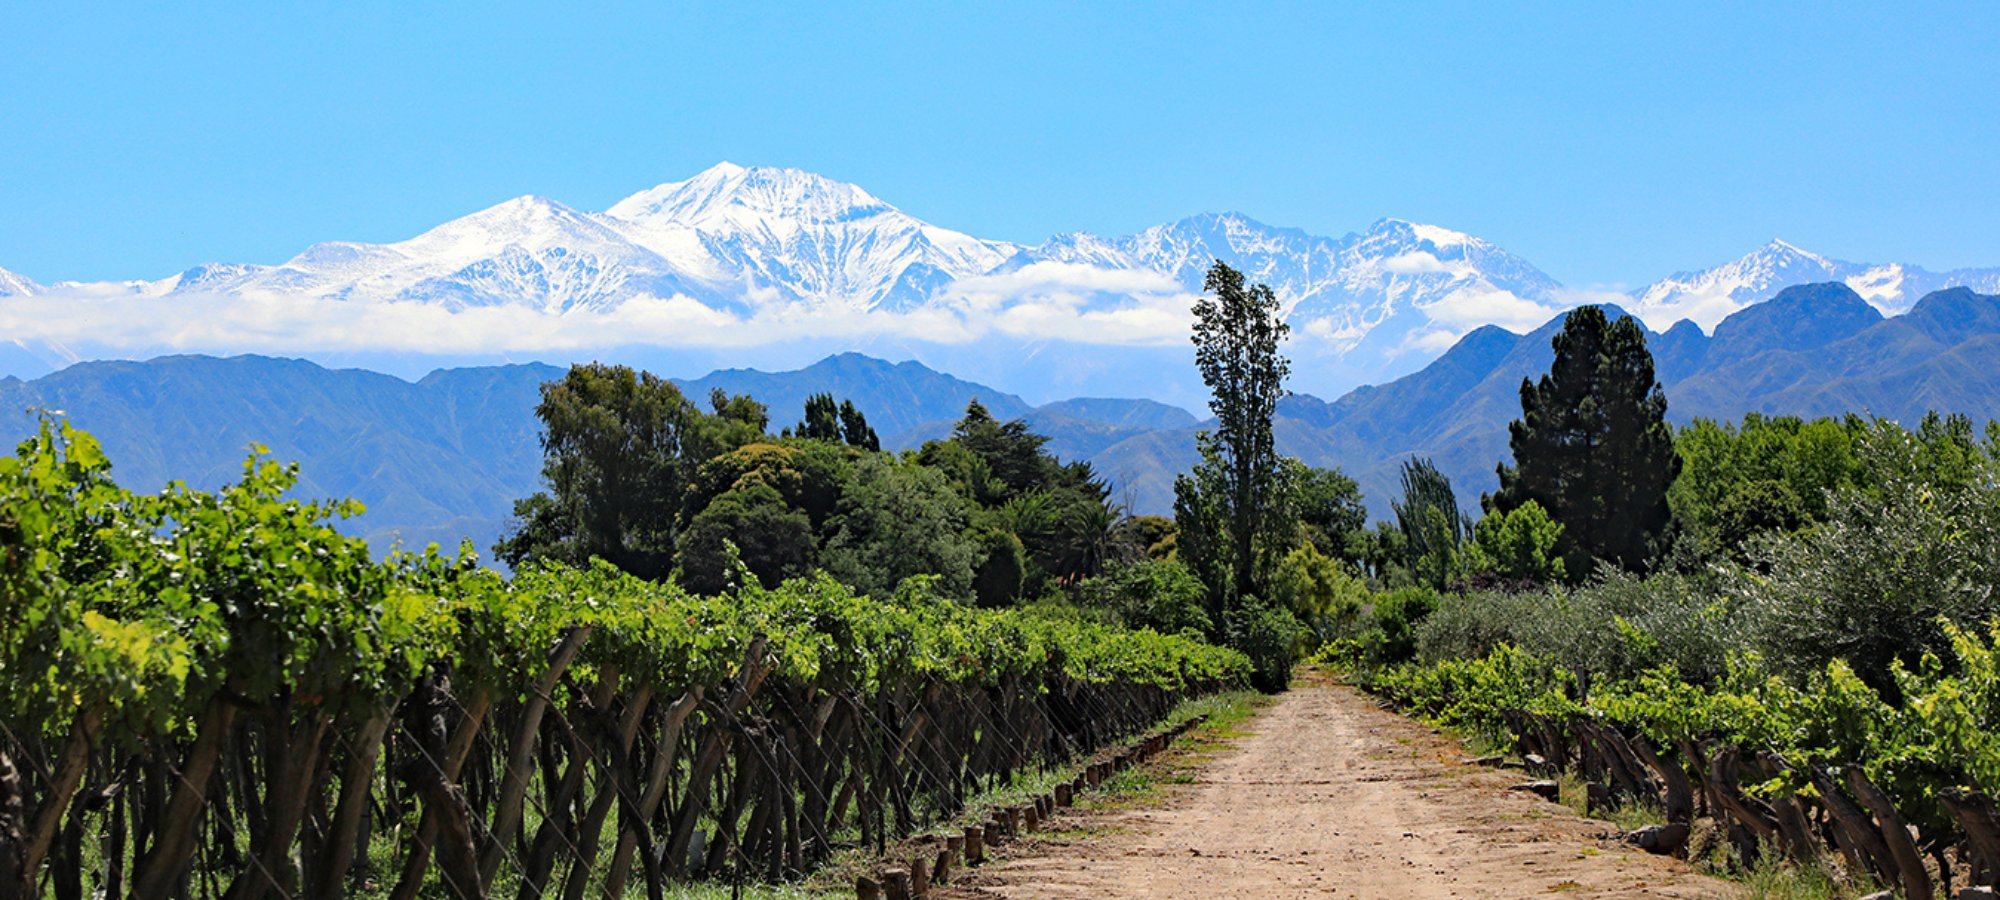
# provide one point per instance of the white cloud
(1415, 262)
(1045, 300)
(1597, 294)
(1472, 306)
(1434, 340)
(1705, 309)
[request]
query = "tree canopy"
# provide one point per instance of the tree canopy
(1593, 446)
(618, 449)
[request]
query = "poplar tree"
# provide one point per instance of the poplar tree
(1235, 488)
(1432, 525)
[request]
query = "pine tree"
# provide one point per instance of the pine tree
(1593, 446)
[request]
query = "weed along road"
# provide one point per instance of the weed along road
(1324, 794)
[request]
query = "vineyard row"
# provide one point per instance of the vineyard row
(218, 694)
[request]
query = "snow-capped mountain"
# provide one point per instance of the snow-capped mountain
(741, 240)
(1709, 295)
(12, 285)
(1339, 289)
(809, 237)
(529, 251)
(731, 237)
(746, 257)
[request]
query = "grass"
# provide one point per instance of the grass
(1773, 876)
(1629, 815)
(1778, 879)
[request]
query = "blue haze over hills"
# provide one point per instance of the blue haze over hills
(444, 457)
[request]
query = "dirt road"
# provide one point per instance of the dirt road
(1329, 796)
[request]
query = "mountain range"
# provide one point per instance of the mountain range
(770, 265)
(443, 457)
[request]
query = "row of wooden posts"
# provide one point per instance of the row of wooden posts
(933, 859)
(1846, 813)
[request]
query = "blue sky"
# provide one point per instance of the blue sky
(1607, 143)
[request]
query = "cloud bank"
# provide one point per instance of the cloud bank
(1049, 301)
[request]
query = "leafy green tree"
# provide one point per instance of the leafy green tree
(1319, 592)
(854, 429)
(1758, 507)
(1327, 506)
(1202, 538)
(733, 421)
(810, 475)
(1156, 594)
(969, 473)
(1270, 635)
(1090, 539)
(1152, 534)
(1010, 452)
(1384, 552)
(1520, 545)
(618, 447)
(773, 539)
(1914, 548)
(1060, 512)
(1763, 475)
(1433, 527)
(1233, 495)
(1593, 446)
(821, 422)
(897, 520)
(1394, 618)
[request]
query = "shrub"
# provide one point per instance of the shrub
(1319, 592)
(1270, 636)
(1156, 594)
(1522, 544)
(1616, 626)
(1393, 620)
(1877, 581)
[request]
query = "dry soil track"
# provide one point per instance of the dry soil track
(1328, 795)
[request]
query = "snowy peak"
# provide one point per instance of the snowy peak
(1426, 278)
(12, 285)
(1405, 231)
(528, 222)
(1710, 295)
(808, 237)
(734, 195)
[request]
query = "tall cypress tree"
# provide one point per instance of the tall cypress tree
(1593, 446)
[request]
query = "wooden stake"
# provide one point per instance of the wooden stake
(975, 845)
(896, 884)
